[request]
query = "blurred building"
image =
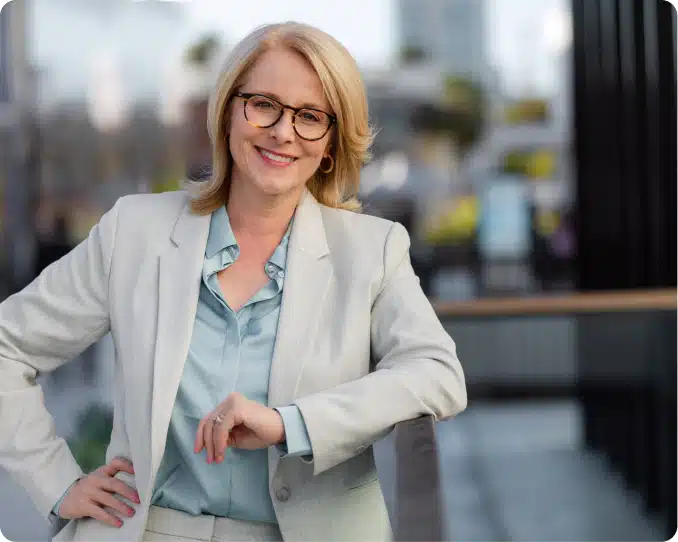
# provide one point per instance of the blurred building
(17, 174)
(73, 41)
(93, 101)
(449, 33)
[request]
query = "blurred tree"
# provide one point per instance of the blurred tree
(527, 111)
(461, 115)
(91, 438)
(467, 100)
(413, 54)
(456, 222)
(531, 163)
(202, 51)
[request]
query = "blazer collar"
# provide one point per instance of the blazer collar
(188, 225)
(308, 233)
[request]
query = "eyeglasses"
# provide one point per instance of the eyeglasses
(264, 112)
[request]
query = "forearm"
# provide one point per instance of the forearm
(342, 421)
(31, 452)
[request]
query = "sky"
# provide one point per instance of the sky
(366, 27)
(65, 47)
(515, 29)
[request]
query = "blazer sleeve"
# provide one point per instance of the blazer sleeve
(417, 371)
(51, 321)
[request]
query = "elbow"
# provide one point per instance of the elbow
(452, 383)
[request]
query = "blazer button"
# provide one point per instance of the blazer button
(283, 494)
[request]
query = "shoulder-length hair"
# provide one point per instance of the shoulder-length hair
(345, 92)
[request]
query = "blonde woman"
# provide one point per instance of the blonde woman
(266, 332)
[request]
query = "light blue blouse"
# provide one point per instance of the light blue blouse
(229, 351)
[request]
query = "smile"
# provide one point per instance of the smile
(275, 159)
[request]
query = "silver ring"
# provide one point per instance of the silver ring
(218, 418)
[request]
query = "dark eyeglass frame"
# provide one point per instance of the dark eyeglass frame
(247, 96)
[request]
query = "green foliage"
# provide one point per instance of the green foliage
(201, 51)
(412, 54)
(91, 437)
(467, 100)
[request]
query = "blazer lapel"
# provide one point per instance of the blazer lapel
(307, 279)
(180, 271)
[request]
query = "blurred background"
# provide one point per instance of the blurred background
(528, 146)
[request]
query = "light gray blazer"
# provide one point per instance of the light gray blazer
(359, 349)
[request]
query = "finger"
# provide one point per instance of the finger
(116, 465)
(222, 435)
(220, 438)
(199, 438)
(113, 485)
(106, 499)
(98, 513)
(209, 439)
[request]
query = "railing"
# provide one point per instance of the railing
(578, 303)
(419, 511)
(614, 352)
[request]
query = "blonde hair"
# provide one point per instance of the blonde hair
(345, 92)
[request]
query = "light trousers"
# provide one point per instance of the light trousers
(165, 524)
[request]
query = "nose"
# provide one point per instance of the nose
(283, 130)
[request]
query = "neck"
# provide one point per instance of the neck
(262, 217)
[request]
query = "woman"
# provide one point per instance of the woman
(266, 334)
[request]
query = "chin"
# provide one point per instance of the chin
(277, 187)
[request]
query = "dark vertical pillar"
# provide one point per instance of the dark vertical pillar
(625, 144)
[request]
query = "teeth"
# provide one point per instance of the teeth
(275, 157)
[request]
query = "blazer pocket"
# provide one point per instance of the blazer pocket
(360, 470)
(364, 482)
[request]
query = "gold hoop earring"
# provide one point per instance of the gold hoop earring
(329, 169)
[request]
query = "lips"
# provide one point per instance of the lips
(278, 158)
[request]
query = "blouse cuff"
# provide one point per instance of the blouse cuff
(297, 441)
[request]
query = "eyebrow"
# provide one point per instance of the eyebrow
(305, 105)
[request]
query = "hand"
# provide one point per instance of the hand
(244, 424)
(95, 494)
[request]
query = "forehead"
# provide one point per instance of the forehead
(286, 74)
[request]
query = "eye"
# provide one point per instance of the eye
(262, 104)
(308, 115)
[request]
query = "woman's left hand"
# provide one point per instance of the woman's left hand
(239, 423)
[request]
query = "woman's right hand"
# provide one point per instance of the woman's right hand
(96, 495)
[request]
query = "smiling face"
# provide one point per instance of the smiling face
(275, 161)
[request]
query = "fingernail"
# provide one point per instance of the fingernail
(209, 460)
(130, 512)
(119, 523)
(136, 499)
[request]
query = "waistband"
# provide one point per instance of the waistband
(208, 528)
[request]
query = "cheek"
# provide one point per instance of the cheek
(239, 145)
(315, 152)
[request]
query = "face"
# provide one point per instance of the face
(275, 161)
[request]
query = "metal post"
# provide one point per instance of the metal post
(17, 234)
